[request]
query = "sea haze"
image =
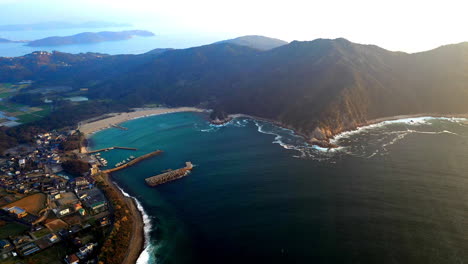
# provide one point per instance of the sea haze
(393, 193)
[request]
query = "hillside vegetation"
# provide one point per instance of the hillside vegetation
(318, 88)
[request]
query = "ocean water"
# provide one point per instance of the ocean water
(395, 192)
(136, 45)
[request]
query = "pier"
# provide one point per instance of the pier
(111, 148)
(135, 161)
(119, 127)
(170, 175)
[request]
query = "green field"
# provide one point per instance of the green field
(53, 255)
(24, 113)
(12, 229)
(42, 232)
(33, 116)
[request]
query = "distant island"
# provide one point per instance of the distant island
(4, 40)
(60, 25)
(89, 37)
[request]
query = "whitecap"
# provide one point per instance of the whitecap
(144, 257)
(416, 121)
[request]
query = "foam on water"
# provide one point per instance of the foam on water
(145, 256)
(235, 122)
(289, 140)
(382, 136)
(417, 121)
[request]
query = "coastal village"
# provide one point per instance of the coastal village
(47, 215)
(57, 202)
(58, 205)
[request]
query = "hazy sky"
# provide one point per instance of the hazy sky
(406, 25)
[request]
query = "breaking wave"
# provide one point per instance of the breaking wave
(375, 139)
(145, 255)
(235, 122)
(366, 141)
(289, 140)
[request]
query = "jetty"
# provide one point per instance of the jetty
(134, 161)
(170, 175)
(119, 127)
(110, 148)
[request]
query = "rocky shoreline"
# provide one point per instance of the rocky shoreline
(323, 136)
(323, 143)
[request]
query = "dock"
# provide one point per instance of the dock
(119, 127)
(135, 161)
(170, 175)
(111, 148)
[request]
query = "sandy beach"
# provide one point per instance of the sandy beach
(106, 121)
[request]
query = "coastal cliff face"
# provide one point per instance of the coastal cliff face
(318, 88)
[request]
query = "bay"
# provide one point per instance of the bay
(393, 193)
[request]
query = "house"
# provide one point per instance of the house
(5, 243)
(82, 211)
(94, 200)
(72, 259)
(28, 249)
(52, 238)
(17, 211)
(63, 211)
(85, 250)
(88, 248)
(104, 221)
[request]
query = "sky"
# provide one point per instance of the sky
(400, 25)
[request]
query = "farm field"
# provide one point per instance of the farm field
(11, 229)
(32, 204)
(14, 114)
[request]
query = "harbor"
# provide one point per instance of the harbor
(132, 161)
(111, 148)
(170, 175)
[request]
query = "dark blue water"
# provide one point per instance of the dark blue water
(394, 193)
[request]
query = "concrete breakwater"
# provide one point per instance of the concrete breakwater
(135, 161)
(170, 175)
(110, 148)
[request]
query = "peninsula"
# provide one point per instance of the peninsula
(89, 37)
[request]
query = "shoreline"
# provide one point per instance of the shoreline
(146, 225)
(137, 239)
(329, 143)
(108, 120)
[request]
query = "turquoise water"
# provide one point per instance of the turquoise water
(393, 193)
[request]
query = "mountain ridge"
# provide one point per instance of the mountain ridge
(256, 42)
(318, 88)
